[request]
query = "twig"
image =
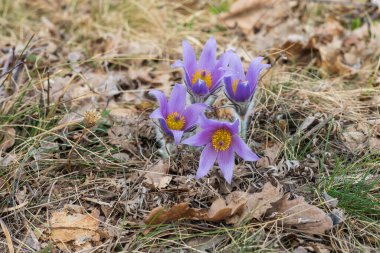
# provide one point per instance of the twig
(14, 208)
(48, 94)
(74, 147)
(368, 4)
(7, 236)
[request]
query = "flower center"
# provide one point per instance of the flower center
(175, 121)
(221, 139)
(204, 75)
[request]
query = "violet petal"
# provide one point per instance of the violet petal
(220, 70)
(200, 88)
(177, 136)
(254, 71)
(189, 58)
(156, 114)
(243, 92)
(207, 60)
(226, 163)
(177, 101)
(206, 161)
(237, 66)
(242, 149)
(199, 139)
(160, 96)
(192, 113)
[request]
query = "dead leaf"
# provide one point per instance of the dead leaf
(105, 84)
(300, 249)
(337, 216)
(122, 114)
(205, 243)
(302, 216)
(254, 14)
(330, 201)
(7, 159)
(332, 59)
(119, 135)
(157, 175)
(238, 206)
(256, 204)
(7, 138)
(320, 248)
(71, 120)
(218, 211)
(121, 157)
(306, 123)
(159, 215)
(374, 143)
(270, 156)
(32, 240)
(355, 137)
(72, 227)
(328, 30)
(312, 247)
(21, 195)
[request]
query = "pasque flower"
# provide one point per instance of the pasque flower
(204, 77)
(240, 88)
(221, 141)
(174, 117)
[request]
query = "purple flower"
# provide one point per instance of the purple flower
(221, 141)
(239, 87)
(174, 118)
(204, 77)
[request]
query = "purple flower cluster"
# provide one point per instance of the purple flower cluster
(204, 78)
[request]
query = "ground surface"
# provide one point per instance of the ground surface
(68, 186)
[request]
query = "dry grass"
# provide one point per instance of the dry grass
(120, 37)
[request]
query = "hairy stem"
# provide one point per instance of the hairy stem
(161, 142)
(244, 126)
(243, 111)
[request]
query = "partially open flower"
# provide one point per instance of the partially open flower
(174, 118)
(221, 141)
(204, 77)
(240, 88)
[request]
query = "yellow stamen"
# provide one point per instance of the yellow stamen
(221, 139)
(203, 75)
(234, 85)
(175, 121)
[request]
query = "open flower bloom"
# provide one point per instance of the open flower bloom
(240, 88)
(221, 141)
(174, 118)
(204, 77)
